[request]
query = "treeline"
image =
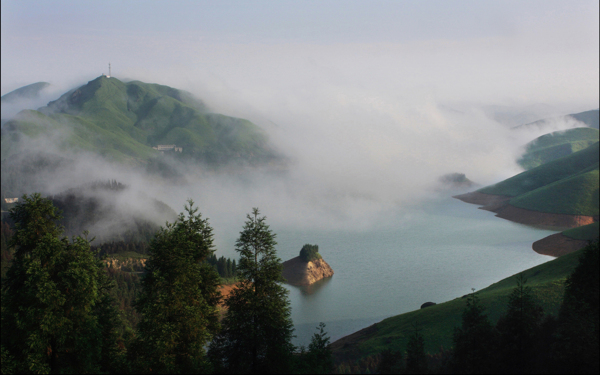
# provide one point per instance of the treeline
(99, 207)
(63, 311)
(116, 247)
(309, 252)
(224, 266)
(6, 234)
(524, 340)
(125, 291)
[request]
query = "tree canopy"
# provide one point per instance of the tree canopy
(308, 253)
(57, 315)
(257, 328)
(179, 300)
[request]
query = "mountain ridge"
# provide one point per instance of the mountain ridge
(125, 120)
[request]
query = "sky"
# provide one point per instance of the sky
(371, 100)
(473, 50)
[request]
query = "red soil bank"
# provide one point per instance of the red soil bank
(499, 204)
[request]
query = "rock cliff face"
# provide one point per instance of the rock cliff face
(298, 272)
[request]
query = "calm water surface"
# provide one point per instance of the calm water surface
(435, 252)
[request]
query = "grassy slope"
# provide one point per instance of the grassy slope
(78, 134)
(124, 120)
(575, 195)
(546, 174)
(586, 232)
(556, 145)
(438, 322)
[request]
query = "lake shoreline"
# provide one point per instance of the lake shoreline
(557, 245)
(500, 205)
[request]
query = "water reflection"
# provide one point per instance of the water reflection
(314, 287)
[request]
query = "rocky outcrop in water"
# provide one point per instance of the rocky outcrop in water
(298, 272)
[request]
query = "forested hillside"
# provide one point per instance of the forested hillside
(85, 313)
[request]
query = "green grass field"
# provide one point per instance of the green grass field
(575, 195)
(438, 322)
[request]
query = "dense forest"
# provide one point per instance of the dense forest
(65, 310)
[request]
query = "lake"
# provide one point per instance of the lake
(435, 251)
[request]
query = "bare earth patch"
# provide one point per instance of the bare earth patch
(557, 245)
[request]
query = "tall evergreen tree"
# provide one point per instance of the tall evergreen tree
(257, 328)
(518, 328)
(179, 300)
(391, 362)
(50, 319)
(474, 340)
(577, 347)
(416, 359)
(320, 356)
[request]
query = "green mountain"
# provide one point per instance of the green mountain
(555, 145)
(589, 118)
(437, 322)
(26, 92)
(568, 185)
(123, 121)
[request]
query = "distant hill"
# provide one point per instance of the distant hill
(26, 92)
(124, 121)
(562, 193)
(557, 175)
(589, 118)
(555, 145)
(26, 173)
(111, 212)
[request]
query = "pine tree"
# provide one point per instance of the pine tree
(50, 319)
(391, 362)
(179, 300)
(474, 340)
(577, 349)
(416, 359)
(320, 356)
(257, 328)
(519, 327)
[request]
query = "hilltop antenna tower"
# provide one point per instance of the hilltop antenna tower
(109, 70)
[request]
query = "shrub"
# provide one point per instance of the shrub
(310, 253)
